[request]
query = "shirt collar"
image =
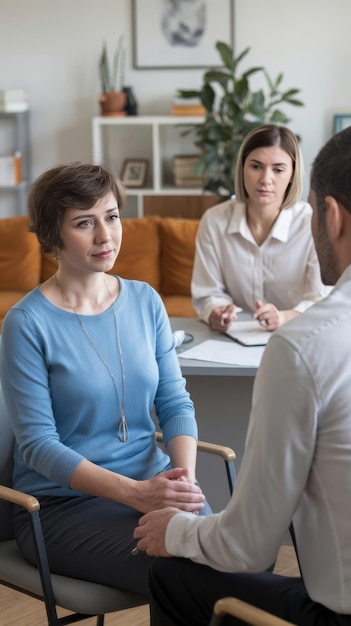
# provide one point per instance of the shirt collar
(238, 223)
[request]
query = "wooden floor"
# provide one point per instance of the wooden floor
(19, 610)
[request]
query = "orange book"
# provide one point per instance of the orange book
(188, 109)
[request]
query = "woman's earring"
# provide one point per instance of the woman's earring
(57, 254)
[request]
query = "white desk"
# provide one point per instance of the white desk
(222, 398)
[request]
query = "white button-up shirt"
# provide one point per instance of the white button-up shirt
(297, 461)
(230, 267)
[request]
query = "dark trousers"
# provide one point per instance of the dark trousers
(183, 593)
(88, 538)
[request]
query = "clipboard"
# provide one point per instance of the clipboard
(248, 333)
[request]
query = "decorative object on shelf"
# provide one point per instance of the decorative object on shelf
(231, 115)
(131, 107)
(18, 177)
(112, 98)
(187, 106)
(13, 101)
(341, 121)
(182, 33)
(134, 172)
(184, 171)
(11, 170)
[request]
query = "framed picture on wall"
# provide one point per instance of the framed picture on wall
(176, 34)
(134, 172)
(341, 121)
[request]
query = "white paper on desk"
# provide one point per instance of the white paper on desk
(230, 353)
(249, 333)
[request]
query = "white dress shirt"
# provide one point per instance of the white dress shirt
(230, 267)
(297, 461)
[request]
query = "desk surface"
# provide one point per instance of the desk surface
(201, 332)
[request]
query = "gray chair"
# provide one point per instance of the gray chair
(84, 599)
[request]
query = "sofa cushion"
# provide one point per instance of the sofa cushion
(9, 297)
(178, 306)
(177, 254)
(19, 255)
(48, 266)
(139, 257)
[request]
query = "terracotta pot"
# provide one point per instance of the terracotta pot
(113, 103)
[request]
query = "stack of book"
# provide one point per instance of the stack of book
(187, 106)
(13, 101)
(184, 171)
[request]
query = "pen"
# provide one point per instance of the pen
(135, 551)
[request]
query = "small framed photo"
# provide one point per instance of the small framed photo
(134, 172)
(341, 121)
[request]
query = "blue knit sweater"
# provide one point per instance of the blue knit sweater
(62, 400)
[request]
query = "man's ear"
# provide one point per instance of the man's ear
(334, 217)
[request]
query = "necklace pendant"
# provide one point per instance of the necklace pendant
(123, 429)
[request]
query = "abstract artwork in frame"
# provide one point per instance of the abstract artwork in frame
(180, 34)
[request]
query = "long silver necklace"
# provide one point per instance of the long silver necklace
(123, 433)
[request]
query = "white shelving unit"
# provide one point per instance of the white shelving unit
(20, 142)
(155, 138)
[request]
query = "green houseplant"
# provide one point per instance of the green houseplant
(112, 98)
(232, 111)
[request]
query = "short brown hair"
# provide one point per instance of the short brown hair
(76, 185)
(263, 137)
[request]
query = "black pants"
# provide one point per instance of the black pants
(88, 538)
(183, 593)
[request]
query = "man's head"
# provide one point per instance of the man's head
(330, 197)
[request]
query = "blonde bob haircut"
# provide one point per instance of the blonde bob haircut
(264, 137)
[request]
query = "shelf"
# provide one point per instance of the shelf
(154, 138)
(165, 191)
(20, 142)
(22, 185)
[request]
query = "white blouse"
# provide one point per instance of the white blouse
(230, 267)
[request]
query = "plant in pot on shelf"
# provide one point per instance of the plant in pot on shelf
(112, 98)
(232, 111)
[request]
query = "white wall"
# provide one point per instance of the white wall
(52, 48)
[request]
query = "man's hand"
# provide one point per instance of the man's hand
(151, 531)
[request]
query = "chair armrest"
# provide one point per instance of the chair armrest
(214, 448)
(246, 612)
(18, 497)
(227, 454)
(211, 448)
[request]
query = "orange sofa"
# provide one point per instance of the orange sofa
(157, 250)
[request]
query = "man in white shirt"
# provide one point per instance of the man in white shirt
(297, 462)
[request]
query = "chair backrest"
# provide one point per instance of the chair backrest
(7, 441)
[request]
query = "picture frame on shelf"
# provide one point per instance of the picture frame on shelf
(134, 172)
(341, 121)
(183, 35)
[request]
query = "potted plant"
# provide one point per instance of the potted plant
(232, 111)
(112, 98)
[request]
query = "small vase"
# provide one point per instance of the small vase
(131, 107)
(113, 103)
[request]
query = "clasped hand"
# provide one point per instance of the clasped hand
(171, 488)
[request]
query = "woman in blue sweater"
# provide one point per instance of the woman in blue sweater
(86, 357)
